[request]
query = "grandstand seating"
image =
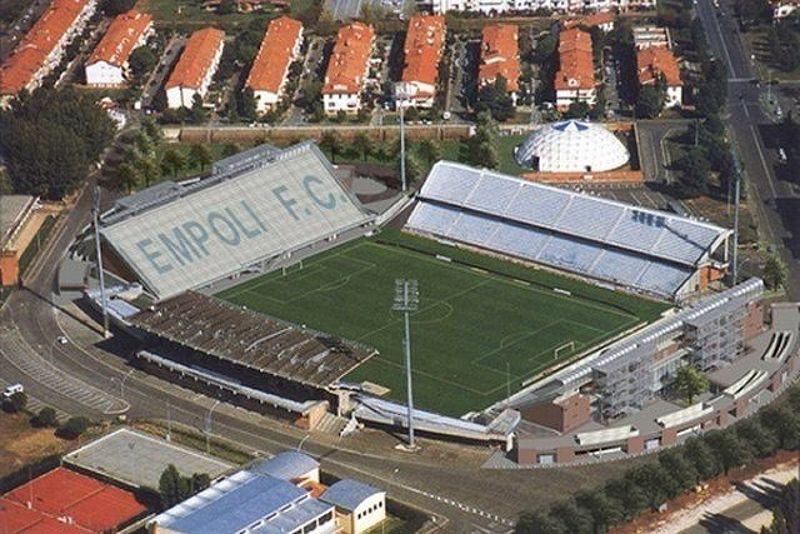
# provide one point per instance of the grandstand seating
(644, 249)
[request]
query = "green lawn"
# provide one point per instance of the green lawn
(190, 14)
(480, 322)
(456, 150)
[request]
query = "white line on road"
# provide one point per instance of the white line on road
(763, 162)
(722, 42)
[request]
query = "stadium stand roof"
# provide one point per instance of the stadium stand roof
(248, 338)
(648, 250)
(499, 55)
(423, 48)
(40, 41)
(348, 61)
(348, 494)
(274, 55)
(244, 160)
(91, 505)
(241, 501)
(606, 435)
(229, 222)
(121, 37)
(572, 146)
(196, 59)
(287, 465)
(681, 417)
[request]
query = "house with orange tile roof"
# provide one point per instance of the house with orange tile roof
(107, 66)
(500, 56)
(347, 69)
(656, 63)
(42, 48)
(422, 52)
(575, 81)
(279, 48)
(195, 68)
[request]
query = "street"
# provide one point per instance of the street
(776, 202)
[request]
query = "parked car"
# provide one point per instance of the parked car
(12, 390)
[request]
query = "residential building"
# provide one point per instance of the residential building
(108, 64)
(422, 51)
(500, 56)
(656, 63)
(348, 68)
(42, 48)
(270, 70)
(195, 68)
(490, 7)
(359, 506)
(575, 81)
(783, 8)
(602, 19)
(647, 36)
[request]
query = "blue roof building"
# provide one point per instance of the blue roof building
(288, 465)
(359, 506)
(251, 503)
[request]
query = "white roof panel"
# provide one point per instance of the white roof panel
(241, 220)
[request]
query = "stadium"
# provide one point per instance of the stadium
(270, 284)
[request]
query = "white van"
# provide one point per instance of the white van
(11, 390)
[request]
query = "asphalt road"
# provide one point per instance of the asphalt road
(777, 204)
(654, 157)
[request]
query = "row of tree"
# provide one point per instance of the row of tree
(673, 472)
(786, 513)
(174, 488)
(50, 139)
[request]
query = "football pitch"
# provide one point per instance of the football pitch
(483, 327)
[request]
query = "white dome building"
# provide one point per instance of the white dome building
(572, 146)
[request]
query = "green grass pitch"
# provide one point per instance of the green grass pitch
(481, 321)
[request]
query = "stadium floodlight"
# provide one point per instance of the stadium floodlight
(406, 300)
(96, 219)
(402, 91)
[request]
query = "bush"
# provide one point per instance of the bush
(73, 427)
(16, 403)
(46, 417)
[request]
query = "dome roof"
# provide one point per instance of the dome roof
(572, 146)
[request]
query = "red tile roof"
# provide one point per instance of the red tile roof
(500, 54)
(348, 61)
(575, 67)
(124, 32)
(591, 20)
(31, 52)
(91, 505)
(423, 48)
(196, 58)
(655, 61)
(274, 54)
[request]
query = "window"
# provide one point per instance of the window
(324, 518)
(309, 527)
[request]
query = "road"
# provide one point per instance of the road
(777, 205)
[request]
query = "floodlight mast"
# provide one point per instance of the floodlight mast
(406, 300)
(401, 92)
(96, 218)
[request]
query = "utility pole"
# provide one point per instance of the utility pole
(100, 272)
(406, 300)
(401, 95)
(736, 224)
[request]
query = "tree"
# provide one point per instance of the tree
(679, 467)
(630, 496)
(152, 130)
(199, 482)
(728, 448)
(495, 99)
(786, 518)
(576, 520)
(226, 7)
(689, 382)
(650, 102)
(414, 167)
(604, 511)
(144, 143)
(16, 403)
(695, 171)
(247, 104)
(784, 423)
(429, 151)
(73, 427)
(168, 486)
(230, 149)
(362, 145)
(197, 113)
(141, 61)
(149, 169)
(200, 155)
(655, 482)
(112, 8)
(538, 523)
(545, 48)
(577, 110)
(330, 143)
(46, 417)
(759, 441)
(127, 176)
(173, 161)
(775, 272)
(698, 452)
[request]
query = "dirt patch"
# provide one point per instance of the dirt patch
(21, 444)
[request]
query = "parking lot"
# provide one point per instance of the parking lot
(351, 9)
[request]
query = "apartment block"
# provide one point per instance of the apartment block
(422, 52)
(348, 68)
(107, 66)
(270, 71)
(195, 68)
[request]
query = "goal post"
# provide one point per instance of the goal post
(568, 346)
